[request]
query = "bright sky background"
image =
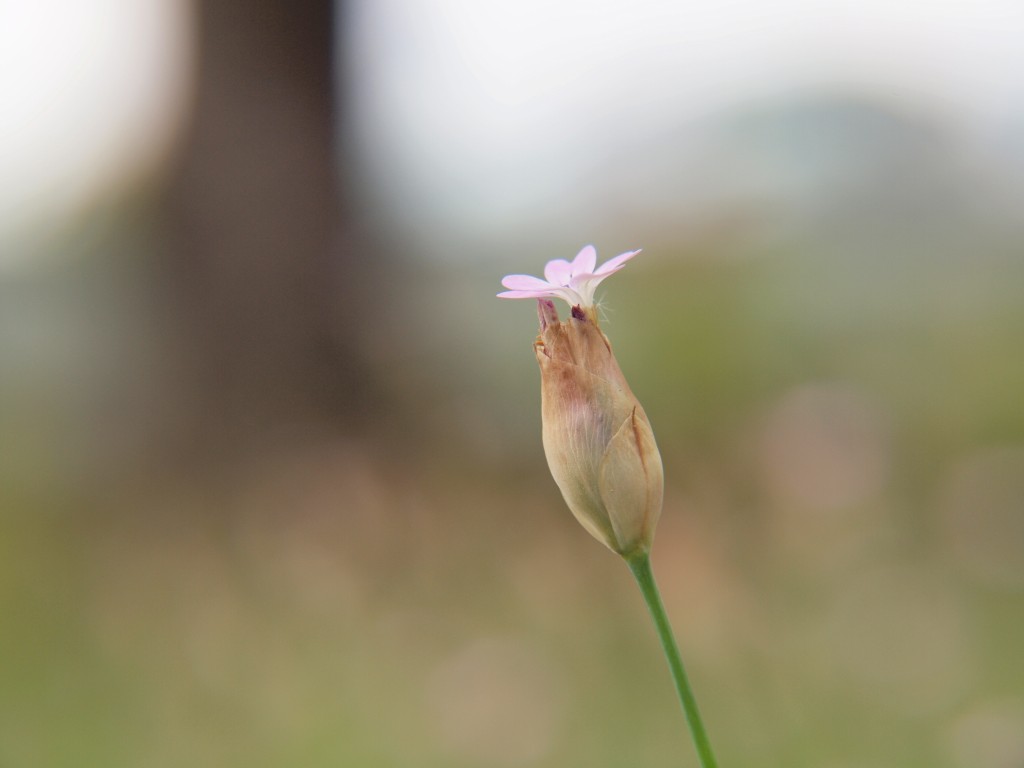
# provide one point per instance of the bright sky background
(452, 95)
(469, 99)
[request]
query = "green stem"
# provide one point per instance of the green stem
(640, 565)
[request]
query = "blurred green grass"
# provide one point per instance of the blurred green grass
(840, 553)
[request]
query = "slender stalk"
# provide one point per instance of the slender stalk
(640, 565)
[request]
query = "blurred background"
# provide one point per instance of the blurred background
(271, 484)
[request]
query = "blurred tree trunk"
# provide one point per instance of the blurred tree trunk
(264, 284)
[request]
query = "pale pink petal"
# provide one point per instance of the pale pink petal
(615, 264)
(571, 296)
(567, 294)
(525, 283)
(574, 281)
(558, 272)
(585, 285)
(585, 260)
(526, 294)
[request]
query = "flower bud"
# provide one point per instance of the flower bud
(598, 442)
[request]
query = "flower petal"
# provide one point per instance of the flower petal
(571, 296)
(526, 283)
(558, 272)
(528, 294)
(615, 264)
(585, 260)
(573, 281)
(585, 285)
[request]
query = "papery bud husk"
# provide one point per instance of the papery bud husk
(597, 439)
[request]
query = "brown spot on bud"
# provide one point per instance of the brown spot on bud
(546, 313)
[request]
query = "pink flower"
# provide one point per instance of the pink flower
(573, 281)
